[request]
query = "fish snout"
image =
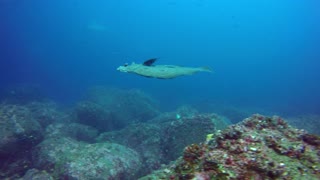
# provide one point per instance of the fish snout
(122, 69)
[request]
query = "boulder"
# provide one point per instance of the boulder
(19, 131)
(66, 158)
(112, 109)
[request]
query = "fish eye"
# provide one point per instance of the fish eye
(125, 65)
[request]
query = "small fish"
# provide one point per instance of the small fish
(147, 69)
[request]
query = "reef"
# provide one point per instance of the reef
(121, 134)
(260, 147)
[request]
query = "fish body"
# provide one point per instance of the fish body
(161, 71)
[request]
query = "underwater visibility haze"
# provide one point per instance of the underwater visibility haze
(263, 53)
(264, 57)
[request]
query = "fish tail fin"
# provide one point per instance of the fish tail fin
(206, 69)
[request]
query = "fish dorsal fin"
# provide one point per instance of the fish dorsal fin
(149, 62)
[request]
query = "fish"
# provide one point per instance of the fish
(147, 69)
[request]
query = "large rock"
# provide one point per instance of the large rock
(47, 112)
(66, 158)
(258, 148)
(76, 131)
(110, 108)
(144, 138)
(95, 115)
(19, 131)
(163, 138)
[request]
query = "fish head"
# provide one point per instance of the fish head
(126, 67)
(123, 68)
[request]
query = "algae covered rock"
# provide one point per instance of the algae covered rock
(258, 148)
(66, 158)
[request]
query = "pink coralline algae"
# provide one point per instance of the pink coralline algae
(260, 147)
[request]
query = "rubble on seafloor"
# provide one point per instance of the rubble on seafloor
(258, 148)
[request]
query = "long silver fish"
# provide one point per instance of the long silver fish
(147, 69)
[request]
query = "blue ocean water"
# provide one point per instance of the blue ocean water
(264, 53)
